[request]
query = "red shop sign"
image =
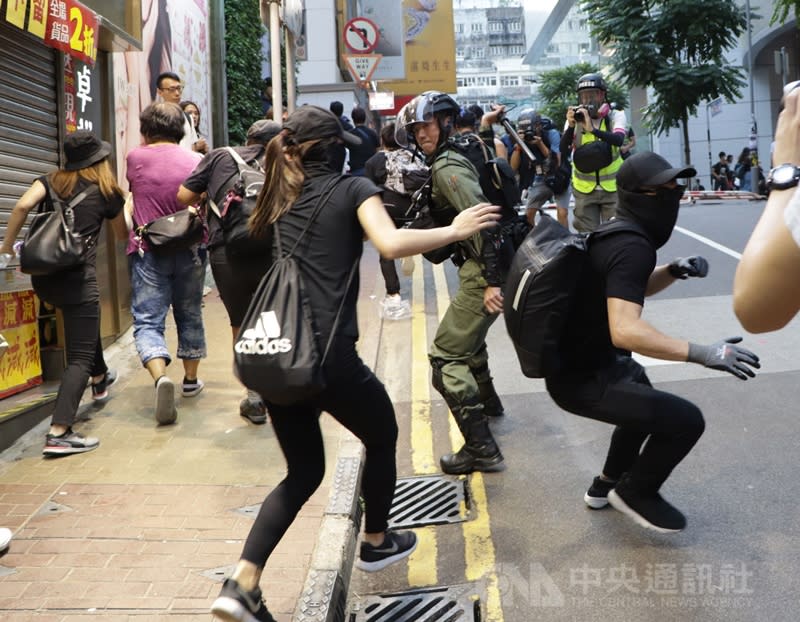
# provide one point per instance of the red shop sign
(71, 28)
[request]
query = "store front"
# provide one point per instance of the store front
(55, 77)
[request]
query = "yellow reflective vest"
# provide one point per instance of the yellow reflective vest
(606, 177)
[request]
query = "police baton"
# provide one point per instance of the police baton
(513, 133)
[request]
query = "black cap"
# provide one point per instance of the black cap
(83, 149)
(649, 169)
(263, 130)
(312, 123)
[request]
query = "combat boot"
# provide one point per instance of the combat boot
(492, 405)
(480, 451)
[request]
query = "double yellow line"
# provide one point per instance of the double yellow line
(479, 552)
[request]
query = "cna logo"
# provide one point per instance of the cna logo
(264, 337)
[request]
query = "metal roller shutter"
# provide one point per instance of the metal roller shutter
(28, 114)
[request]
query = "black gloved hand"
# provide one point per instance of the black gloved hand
(725, 356)
(683, 267)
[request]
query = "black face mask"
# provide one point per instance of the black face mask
(655, 213)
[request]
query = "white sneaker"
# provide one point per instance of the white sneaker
(165, 401)
(5, 538)
(395, 308)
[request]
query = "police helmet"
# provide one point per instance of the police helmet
(591, 81)
(421, 109)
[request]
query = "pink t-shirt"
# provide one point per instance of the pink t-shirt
(155, 172)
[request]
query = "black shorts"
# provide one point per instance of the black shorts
(237, 280)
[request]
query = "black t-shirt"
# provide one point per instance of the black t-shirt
(620, 265)
(329, 248)
(215, 174)
(369, 145)
(721, 169)
(79, 284)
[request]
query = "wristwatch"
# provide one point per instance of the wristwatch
(783, 177)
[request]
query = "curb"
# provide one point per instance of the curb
(324, 595)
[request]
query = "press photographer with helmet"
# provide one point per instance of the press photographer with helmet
(541, 176)
(594, 133)
(458, 356)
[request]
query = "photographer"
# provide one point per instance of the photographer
(540, 176)
(594, 132)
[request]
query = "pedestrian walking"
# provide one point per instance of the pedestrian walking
(75, 291)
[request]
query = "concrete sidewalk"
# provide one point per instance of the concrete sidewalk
(152, 521)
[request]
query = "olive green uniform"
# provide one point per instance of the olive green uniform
(458, 355)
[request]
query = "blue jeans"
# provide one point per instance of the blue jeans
(158, 281)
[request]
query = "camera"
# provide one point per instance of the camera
(531, 134)
(590, 108)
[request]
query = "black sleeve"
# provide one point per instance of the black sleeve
(612, 138)
(566, 141)
(629, 260)
(375, 168)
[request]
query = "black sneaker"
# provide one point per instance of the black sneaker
(236, 605)
(253, 410)
(396, 545)
(650, 510)
(68, 443)
(597, 495)
(100, 389)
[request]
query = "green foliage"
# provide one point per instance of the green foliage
(782, 9)
(243, 58)
(676, 48)
(557, 88)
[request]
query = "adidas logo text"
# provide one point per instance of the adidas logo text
(264, 337)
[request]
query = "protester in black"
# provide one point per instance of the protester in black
(654, 430)
(298, 172)
(75, 291)
(235, 276)
(359, 154)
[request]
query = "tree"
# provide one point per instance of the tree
(558, 89)
(781, 10)
(243, 59)
(674, 47)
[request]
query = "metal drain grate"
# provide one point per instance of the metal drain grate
(430, 500)
(439, 604)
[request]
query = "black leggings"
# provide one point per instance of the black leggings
(390, 278)
(84, 358)
(622, 395)
(357, 400)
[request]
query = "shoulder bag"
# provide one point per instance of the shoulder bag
(172, 232)
(51, 244)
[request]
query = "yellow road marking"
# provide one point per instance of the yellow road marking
(479, 553)
(421, 571)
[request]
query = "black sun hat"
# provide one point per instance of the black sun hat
(83, 149)
(312, 123)
(649, 169)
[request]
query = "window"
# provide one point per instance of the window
(460, 82)
(584, 48)
(493, 81)
(515, 50)
(459, 29)
(477, 28)
(552, 48)
(509, 81)
(459, 52)
(479, 53)
(496, 50)
(514, 27)
(495, 26)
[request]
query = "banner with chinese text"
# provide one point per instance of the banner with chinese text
(20, 367)
(430, 49)
(66, 25)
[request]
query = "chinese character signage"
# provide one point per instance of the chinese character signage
(430, 49)
(21, 366)
(81, 96)
(66, 25)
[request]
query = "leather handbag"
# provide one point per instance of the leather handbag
(51, 245)
(172, 232)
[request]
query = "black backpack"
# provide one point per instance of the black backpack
(237, 207)
(541, 286)
(276, 352)
(495, 175)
